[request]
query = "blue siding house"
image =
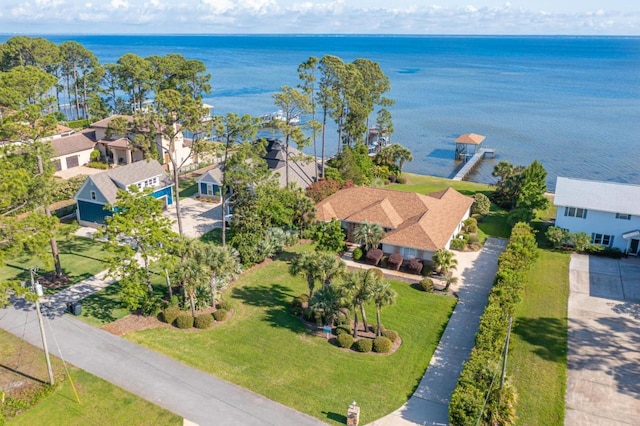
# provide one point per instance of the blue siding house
(101, 189)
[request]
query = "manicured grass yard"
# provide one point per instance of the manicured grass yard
(100, 401)
(538, 355)
(265, 349)
(188, 187)
(81, 258)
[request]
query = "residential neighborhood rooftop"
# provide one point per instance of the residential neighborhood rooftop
(597, 195)
(76, 142)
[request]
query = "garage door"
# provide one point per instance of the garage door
(72, 161)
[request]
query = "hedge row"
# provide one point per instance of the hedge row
(483, 365)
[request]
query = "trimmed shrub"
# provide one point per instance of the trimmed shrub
(343, 318)
(401, 180)
(220, 315)
(382, 344)
(363, 345)
(374, 328)
(481, 204)
(426, 284)
(170, 314)
(223, 304)
(344, 340)
(343, 329)
(391, 335)
(471, 225)
(357, 253)
(427, 269)
(458, 244)
(184, 321)
(203, 321)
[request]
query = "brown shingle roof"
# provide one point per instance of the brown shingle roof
(470, 138)
(424, 222)
(76, 142)
(104, 123)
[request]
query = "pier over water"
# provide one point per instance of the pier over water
(469, 150)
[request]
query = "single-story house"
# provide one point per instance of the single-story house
(609, 212)
(416, 225)
(101, 189)
(209, 183)
(73, 149)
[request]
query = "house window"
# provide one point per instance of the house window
(623, 216)
(209, 189)
(575, 212)
(408, 253)
(93, 195)
(602, 239)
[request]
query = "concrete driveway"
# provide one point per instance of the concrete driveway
(603, 378)
(198, 217)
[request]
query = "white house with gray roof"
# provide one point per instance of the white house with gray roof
(608, 212)
(99, 190)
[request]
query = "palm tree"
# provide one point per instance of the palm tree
(401, 154)
(192, 275)
(329, 267)
(357, 291)
(444, 260)
(306, 264)
(382, 295)
(450, 279)
(327, 300)
(222, 264)
(369, 234)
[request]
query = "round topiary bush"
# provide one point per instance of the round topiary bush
(343, 329)
(357, 253)
(344, 340)
(363, 345)
(203, 321)
(426, 284)
(223, 304)
(391, 335)
(220, 315)
(170, 314)
(184, 321)
(382, 344)
(458, 244)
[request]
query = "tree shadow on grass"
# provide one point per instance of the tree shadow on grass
(276, 298)
(548, 335)
(101, 305)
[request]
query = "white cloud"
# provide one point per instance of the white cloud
(311, 16)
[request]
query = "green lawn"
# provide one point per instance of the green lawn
(265, 349)
(80, 258)
(538, 358)
(188, 188)
(425, 184)
(100, 401)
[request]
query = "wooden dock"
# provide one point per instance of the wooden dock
(473, 161)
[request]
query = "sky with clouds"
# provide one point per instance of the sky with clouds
(518, 17)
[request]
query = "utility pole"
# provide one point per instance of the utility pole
(506, 353)
(38, 290)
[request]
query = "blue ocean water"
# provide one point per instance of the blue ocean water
(571, 102)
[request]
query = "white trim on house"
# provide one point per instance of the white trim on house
(608, 212)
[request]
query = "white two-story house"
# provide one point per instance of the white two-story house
(608, 212)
